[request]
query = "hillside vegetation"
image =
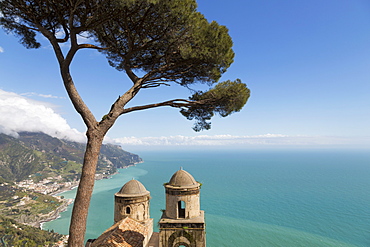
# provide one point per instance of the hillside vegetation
(15, 234)
(32, 167)
(37, 156)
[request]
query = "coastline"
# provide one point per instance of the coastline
(56, 213)
(65, 189)
(52, 215)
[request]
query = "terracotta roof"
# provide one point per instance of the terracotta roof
(125, 233)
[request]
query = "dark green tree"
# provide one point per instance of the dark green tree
(155, 42)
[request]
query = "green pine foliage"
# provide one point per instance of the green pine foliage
(224, 99)
(168, 40)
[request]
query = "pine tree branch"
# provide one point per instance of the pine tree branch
(176, 103)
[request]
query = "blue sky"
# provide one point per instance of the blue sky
(307, 64)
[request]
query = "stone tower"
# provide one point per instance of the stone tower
(133, 201)
(182, 223)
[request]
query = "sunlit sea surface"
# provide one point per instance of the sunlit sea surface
(284, 198)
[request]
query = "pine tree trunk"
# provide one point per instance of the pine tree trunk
(81, 205)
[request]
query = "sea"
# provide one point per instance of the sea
(257, 198)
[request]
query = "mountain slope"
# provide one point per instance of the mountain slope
(38, 155)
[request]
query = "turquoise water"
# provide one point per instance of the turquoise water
(255, 198)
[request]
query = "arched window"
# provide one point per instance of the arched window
(128, 210)
(181, 209)
(181, 245)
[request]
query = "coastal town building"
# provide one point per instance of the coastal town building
(182, 223)
(47, 186)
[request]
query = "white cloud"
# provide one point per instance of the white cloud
(18, 113)
(21, 114)
(203, 140)
(267, 140)
(1, 49)
(42, 95)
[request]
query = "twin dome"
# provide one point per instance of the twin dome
(182, 222)
(180, 178)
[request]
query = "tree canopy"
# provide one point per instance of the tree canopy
(155, 42)
(225, 98)
(170, 41)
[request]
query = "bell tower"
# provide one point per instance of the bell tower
(133, 201)
(182, 223)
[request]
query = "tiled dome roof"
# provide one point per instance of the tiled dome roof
(133, 188)
(182, 178)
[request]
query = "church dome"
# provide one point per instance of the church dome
(182, 178)
(133, 188)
